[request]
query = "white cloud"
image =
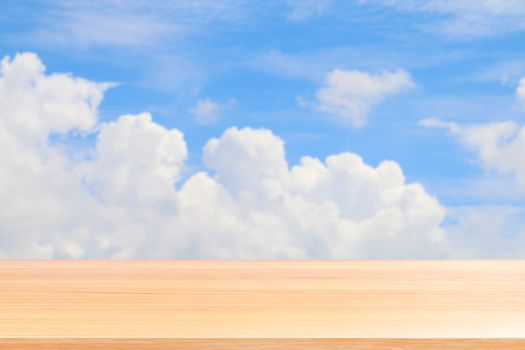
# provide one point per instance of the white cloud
(499, 146)
(173, 73)
(337, 208)
(153, 39)
(465, 18)
(350, 95)
(487, 232)
(102, 29)
(118, 24)
(43, 206)
(301, 10)
(125, 199)
(507, 72)
(135, 160)
(315, 63)
(520, 91)
(70, 103)
(438, 123)
(208, 112)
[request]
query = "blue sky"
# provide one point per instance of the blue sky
(203, 67)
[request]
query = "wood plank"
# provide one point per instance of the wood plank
(281, 301)
(262, 344)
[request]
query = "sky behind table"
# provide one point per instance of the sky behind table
(428, 76)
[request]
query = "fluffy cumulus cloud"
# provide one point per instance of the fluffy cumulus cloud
(351, 94)
(499, 146)
(124, 197)
(40, 197)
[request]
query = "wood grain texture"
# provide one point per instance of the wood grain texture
(262, 344)
(54, 302)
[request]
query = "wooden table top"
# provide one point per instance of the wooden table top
(209, 302)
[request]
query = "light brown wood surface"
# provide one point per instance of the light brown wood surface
(263, 344)
(294, 301)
